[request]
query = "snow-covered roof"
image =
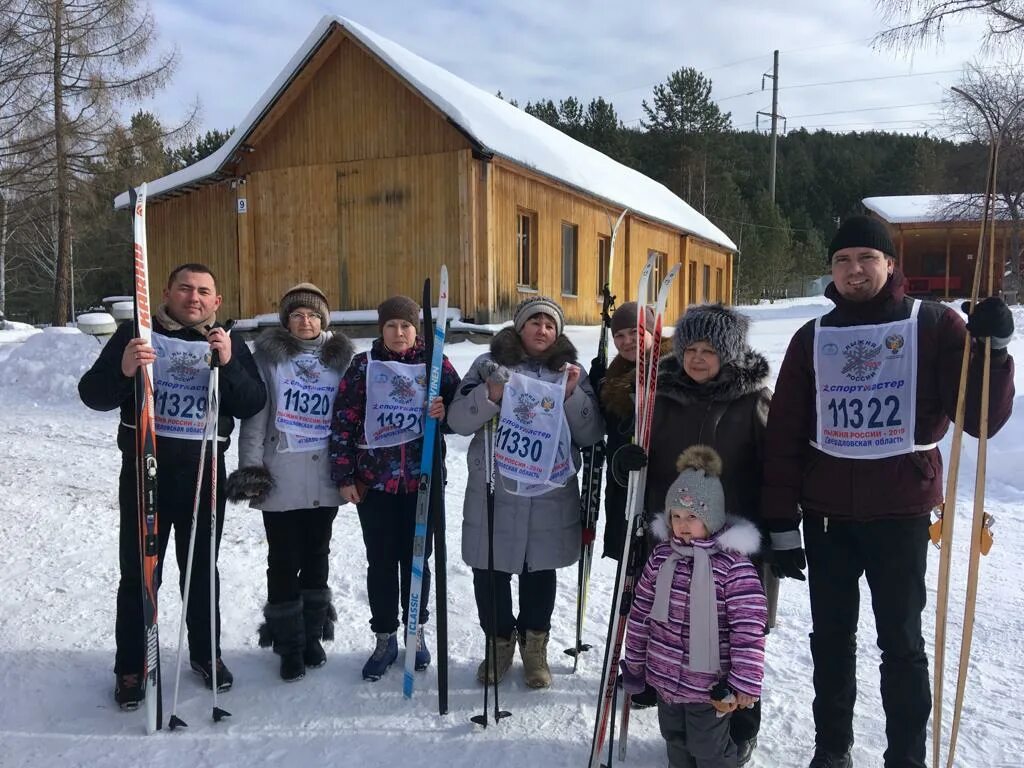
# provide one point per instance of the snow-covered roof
(496, 126)
(919, 209)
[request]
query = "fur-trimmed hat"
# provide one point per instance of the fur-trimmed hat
(398, 308)
(537, 305)
(862, 232)
(304, 295)
(721, 327)
(625, 317)
(698, 488)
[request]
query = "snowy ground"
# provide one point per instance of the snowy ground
(58, 538)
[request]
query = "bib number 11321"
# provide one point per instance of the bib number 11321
(854, 413)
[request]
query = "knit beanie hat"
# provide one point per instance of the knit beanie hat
(862, 232)
(398, 308)
(535, 306)
(721, 327)
(698, 488)
(625, 317)
(304, 295)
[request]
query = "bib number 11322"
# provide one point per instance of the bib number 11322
(854, 413)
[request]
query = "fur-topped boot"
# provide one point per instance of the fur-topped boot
(319, 616)
(284, 630)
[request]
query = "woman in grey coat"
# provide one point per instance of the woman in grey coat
(283, 470)
(533, 535)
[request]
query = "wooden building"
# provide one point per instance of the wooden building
(363, 168)
(936, 239)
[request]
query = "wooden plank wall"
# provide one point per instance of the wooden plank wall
(361, 231)
(552, 205)
(701, 254)
(198, 227)
(352, 108)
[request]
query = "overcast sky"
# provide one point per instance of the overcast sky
(230, 52)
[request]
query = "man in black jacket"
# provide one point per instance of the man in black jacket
(185, 333)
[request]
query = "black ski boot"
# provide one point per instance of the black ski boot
(319, 616)
(224, 677)
(825, 759)
(285, 631)
(128, 691)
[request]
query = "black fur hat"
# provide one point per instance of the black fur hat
(721, 327)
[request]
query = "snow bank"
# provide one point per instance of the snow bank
(45, 369)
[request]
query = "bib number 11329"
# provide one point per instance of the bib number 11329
(854, 413)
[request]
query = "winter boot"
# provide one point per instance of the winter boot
(285, 631)
(422, 652)
(320, 616)
(383, 656)
(224, 677)
(744, 750)
(534, 651)
(506, 652)
(128, 691)
(825, 759)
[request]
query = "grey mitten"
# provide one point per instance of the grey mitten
(494, 372)
(249, 484)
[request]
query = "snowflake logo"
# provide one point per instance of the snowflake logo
(861, 360)
(308, 371)
(403, 389)
(525, 410)
(184, 366)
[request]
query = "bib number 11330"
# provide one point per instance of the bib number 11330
(518, 444)
(854, 413)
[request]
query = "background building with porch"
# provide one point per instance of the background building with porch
(363, 168)
(936, 239)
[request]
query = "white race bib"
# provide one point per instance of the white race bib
(181, 384)
(532, 445)
(305, 399)
(396, 394)
(866, 379)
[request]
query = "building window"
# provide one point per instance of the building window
(604, 253)
(657, 274)
(707, 283)
(570, 258)
(719, 284)
(526, 248)
(691, 287)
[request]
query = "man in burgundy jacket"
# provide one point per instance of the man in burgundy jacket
(864, 395)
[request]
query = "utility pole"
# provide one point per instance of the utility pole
(774, 115)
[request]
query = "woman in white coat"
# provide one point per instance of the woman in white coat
(536, 524)
(283, 470)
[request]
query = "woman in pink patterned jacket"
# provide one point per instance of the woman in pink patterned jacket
(697, 624)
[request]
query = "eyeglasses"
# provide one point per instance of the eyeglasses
(304, 317)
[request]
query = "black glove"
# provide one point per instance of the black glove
(991, 318)
(598, 369)
(629, 458)
(788, 561)
(249, 484)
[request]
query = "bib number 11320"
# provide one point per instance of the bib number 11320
(854, 413)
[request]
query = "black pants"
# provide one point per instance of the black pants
(695, 737)
(299, 542)
(893, 556)
(388, 521)
(536, 601)
(176, 482)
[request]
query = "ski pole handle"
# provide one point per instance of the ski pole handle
(214, 355)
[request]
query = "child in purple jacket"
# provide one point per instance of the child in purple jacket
(697, 624)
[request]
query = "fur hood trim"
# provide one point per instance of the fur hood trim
(736, 379)
(334, 349)
(739, 534)
(507, 349)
